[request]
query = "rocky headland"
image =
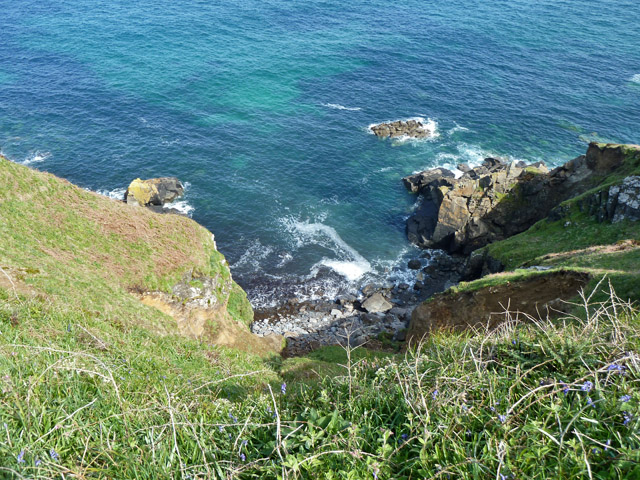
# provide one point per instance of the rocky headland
(455, 218)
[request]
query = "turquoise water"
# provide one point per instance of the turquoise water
(263, 107)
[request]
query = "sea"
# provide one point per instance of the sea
(262, 108)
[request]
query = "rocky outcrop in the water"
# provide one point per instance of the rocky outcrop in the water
(404, 128)
(498, 199)
(155, 191)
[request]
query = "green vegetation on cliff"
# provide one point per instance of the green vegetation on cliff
(95, 384)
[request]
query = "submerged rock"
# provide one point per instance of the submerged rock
(155, 191)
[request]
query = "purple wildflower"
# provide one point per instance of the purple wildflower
(565, 388)
(283, 388)
(627, 418)
(502, 418)
(614, 367)
(21, 456)
(243, 457)
(38, 462)
(608, 445)
(233, 419)
(587, 386)
(590, 402)
(244, 443)
(434, 395)
(221, 428)
(54, 455)
(403, 438)
(625, 398)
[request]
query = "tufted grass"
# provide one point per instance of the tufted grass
(541, 399)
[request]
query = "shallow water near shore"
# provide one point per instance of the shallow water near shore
(264, 107)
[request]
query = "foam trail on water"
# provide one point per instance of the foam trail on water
(349, 264)
(337, 106)
(36, 157)
(635, 78)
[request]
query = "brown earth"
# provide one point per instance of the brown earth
(538, 296)
(213, 325)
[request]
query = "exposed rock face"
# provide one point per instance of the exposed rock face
(402, 128)
(616, 203)
(155, 191)
(498, 199)
(485, 308)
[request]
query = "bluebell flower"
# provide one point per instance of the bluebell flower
(220, 428)
(614, 367)
(514, 342)
(595, 450)
(587, 386)
(608, 445)
(283, 388)
(434, 394)
(233, 419)
(21, 456)
(244, 443)
(38, 462)
(502, 418)
(243, 457)
(54, 455)
(404, 437)
(565, 388)
(590, 402)
(625, 398)
(627, 418)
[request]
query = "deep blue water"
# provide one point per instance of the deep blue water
(244, 101)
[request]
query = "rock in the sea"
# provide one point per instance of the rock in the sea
(498, 199)
(415, 264)
(403, 128)
(155, 191)
(376, 303)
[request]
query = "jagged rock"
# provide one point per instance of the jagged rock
(498, 199)
(155, 191)
(614, 204)
(402, 128)
(376, 303)
(624, 200)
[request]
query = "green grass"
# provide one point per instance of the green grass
(552, 400)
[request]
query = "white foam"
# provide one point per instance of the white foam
(253, 255)
(457, 128)
(429, 126)
(635, 78)
(116, 193)
(349, 263)
(36, 157)
(181, 205)
(337, 106)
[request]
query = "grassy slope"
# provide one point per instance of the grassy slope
(93, 385)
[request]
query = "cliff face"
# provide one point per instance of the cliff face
(80, 251)
(553, 232)
(497, 200)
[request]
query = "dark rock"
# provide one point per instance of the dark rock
(497, 200)
(415, 264)
(402, 128)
